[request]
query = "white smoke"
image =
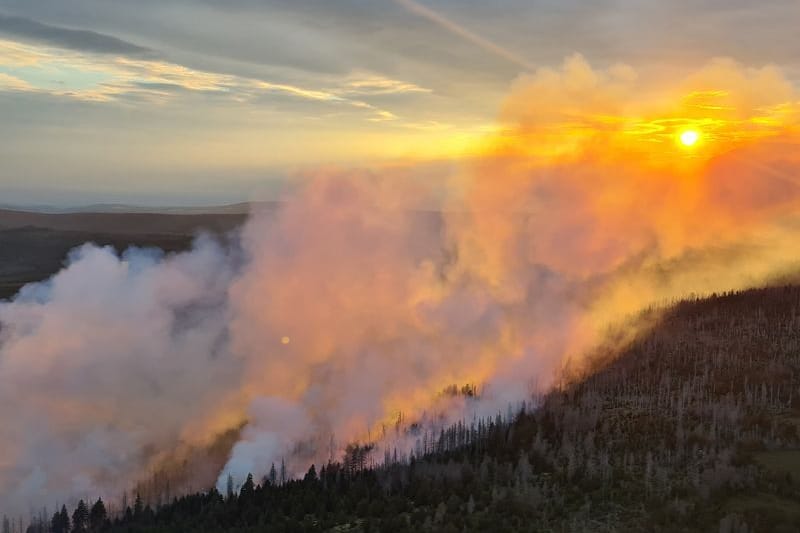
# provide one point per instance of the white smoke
(102, 365)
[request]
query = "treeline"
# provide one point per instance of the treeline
(693, 427)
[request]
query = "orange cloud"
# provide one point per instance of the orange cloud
(613, 114)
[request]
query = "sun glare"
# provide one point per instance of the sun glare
(689, 138)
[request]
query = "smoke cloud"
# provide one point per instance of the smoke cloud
(316, 326)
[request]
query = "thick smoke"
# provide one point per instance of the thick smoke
(317, 325)
(107, 365)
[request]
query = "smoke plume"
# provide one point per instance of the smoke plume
(316, 326)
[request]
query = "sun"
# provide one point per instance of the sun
(689, 137)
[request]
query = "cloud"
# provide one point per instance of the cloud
(379, 85)
(11, 83)
(79, 40)
(102, 78)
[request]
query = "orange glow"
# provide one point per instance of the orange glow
(599, 175)
(579, 113)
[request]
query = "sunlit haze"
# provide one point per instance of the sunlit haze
(210, 102)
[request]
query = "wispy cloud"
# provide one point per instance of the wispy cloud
(378, 85)
(81, 40)
(309, 94)
(11, 83)
(469, 35)
(111, 78)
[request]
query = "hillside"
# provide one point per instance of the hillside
(121, 223)
(34, 245)
(693, 427)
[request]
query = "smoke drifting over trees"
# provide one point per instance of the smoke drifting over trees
(315, 326)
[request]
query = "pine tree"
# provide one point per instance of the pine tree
(283, 472)
(80, 518)
(273, 475)
(138, 506)
(311, 475)
(248, 489)
(6, 525)
(98, 515)
(55, 523)
(229, 491)
(60, 522)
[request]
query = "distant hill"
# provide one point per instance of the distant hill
(137, 223)
(34, 245)
(241, 208)
(694, 426)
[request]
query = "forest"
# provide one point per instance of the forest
(693, 426)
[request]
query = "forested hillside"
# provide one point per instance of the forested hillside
(693, 427)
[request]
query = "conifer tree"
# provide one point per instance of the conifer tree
(311, 475)
(229, 491)
(60, 522)
(138, 506)
(80, 518)
(248, 489)
(98, 515)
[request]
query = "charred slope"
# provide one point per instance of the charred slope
(693, 427)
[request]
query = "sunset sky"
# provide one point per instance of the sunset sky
(212, 101)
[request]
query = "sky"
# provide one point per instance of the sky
(179, 102)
